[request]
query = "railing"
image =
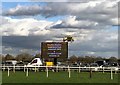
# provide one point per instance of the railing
(59, 68)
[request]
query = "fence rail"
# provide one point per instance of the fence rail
(58, 68)
(99, 68)
(104, 69)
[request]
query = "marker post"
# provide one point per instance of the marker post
(47, 72)
(8, 72)
(69, 73)
(111, 74)
(27, 73)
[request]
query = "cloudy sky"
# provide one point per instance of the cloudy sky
(92, 23)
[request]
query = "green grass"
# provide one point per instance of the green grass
(0, 77)
(58, 77)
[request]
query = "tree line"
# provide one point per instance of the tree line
(25, 57)
(92, 59)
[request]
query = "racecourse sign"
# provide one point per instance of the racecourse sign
(54, 49)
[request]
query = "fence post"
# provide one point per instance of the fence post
(47, 72)
(24, 68)
(8, 72)
(111, 74)
(14, 68)
(69, 71)
(103, 69)
(35, 68)
(79, 69)
(27, 73)
(4, 68)
(57, 68)
(115, 71)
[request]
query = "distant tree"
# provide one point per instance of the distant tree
(38, 55)
(113, 59)
(88, 59)
(98, 58)
(81, 59)
(2, 57)
(9, 57)
(24, 57)
(73, 59)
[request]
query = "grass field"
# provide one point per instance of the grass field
(58, 77)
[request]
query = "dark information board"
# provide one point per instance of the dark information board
(54, 50)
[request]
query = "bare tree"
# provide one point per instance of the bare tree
(24, 57)
(2, 57)
(9, 57)
(73, 59)
(38, 55)
(113, 59)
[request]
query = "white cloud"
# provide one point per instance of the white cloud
(97, 41)
(24, 27)
(85, 10)
(87, 42)
(24, 10)
(72, 22)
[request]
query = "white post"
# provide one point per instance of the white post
(8, 72)
(27, 73)
(103, 69)
(4, 68)
(79, 69)
(35, 68)
(68, 68)
(111, 74)
(24, 68)
(69, 71)
(115, 71)
(14, 68)
(47, 71)
(57, 68)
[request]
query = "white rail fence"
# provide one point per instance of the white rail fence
(59, 68)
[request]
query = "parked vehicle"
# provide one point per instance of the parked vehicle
(8, 64)
(114, 66)
(95, 66)
(35, 62)
(101, 62)
(75, 65)
(63, 67)
(19, 65)
(85, 65)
